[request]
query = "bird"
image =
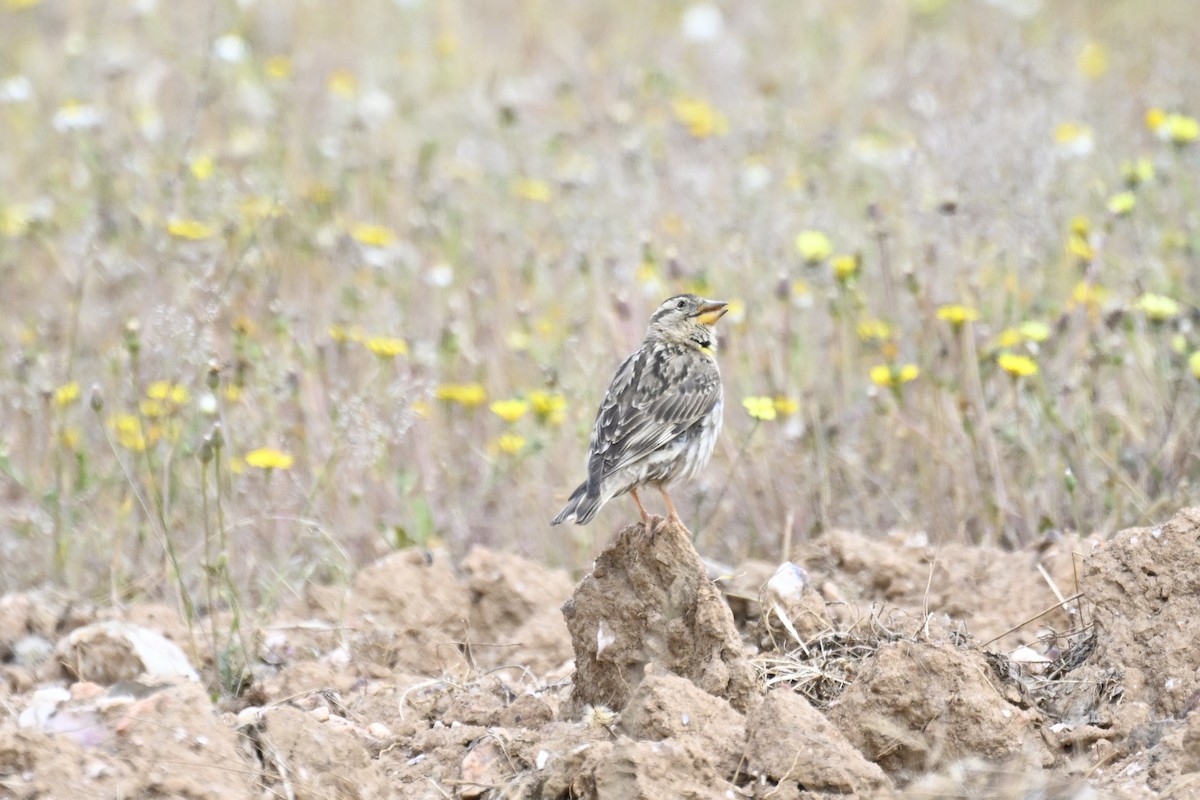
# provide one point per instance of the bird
(661, 415)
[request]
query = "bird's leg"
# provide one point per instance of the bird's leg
(672, 514)
(641, 508)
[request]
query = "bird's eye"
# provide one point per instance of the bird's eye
(681, 304)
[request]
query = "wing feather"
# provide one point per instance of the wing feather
(657, 393)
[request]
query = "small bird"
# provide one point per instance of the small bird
(661, 415)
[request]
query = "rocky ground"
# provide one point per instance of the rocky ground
(866, 668)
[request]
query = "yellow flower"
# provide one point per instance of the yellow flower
(814, 246)
(343, 83)
(1155, 117)
(1182, 129)
(1018, 366)
(1157, 308)
(786, 406)
(1093, 60)
(371, 235)
(873, 330)
(189, 229)
(232, 392)
(1121, 203)
(1074, 138)
(1079, 247)
(1194, 364)
(1088, 294)
(891, 375)
(128, 430)
(1034, 331)
(468, 395)
(548, 407)
(1008, 338)
(202, 167)
(269, 458)
(342, 334)
(387, 346)
(420, 408)
(532, 189)
(510, 410)
(511, 443)
(1080, 225)
(844, 267)
(1137, 172)
(761, 408)
(69, 438)
(260, 208)
(957, 314)
(700, 118)
(166, 390)
(66, 394)
(278, 67)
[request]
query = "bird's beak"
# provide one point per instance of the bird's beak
(711, 311)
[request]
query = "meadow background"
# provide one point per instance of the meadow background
(290, 284)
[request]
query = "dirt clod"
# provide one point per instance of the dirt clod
(648, 600)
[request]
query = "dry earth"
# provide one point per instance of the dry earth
(879, 668)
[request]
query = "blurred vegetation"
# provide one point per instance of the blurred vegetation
(289, 284)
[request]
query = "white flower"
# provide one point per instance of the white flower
(703, 22)
(15, 89)
(230, 48)
(76, 117)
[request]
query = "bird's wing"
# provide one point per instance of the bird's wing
(656, 395)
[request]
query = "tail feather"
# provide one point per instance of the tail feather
(581, 507)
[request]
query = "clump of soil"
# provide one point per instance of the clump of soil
(858, 675)
(648, 600)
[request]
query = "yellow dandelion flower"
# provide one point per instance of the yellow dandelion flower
(1194, 364)
(166, 390)
(371, 235)
(1008, 338)
(1182, 129)
(548, 407)
(1092, 60)
(387, 346)
(1137, 172)
(760, 408)
(1079, 247)
(1017, 365)
(533, 189)
(1155, 118)
(1080, 226)
(1074, 138)
(1121, 203)
(844, 267)
(957, 314)
(510, 410)
(510, 443)
(278, 67)
(786, 406)
(468, 395)
(202, 167)
(699, 117)
(69, 438)
(343, 83)
(189, 229)
(875, 330)
(269, 458)
(1157, 307)
(66, 394)
(232, 392)
(813, 246)
(1089, 294)
(260, 208)
(1034, 331)
(893, 375)
(127, 429)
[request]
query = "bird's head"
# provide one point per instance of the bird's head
(687, 319)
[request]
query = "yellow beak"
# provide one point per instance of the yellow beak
(711, 311)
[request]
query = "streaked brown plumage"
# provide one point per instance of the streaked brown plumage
(661, 415)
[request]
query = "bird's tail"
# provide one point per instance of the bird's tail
(581, 507)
